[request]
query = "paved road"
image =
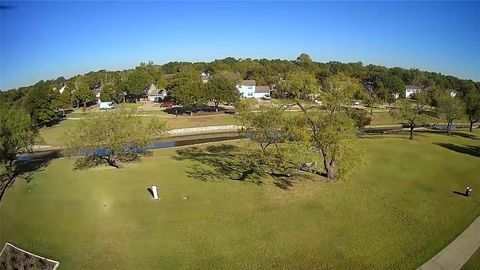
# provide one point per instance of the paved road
(457, 253)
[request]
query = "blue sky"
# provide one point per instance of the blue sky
(44, 40)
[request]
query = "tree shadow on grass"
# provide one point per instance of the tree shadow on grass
(23, 170)
(216, 163)
(466, 135)
(471, 150)
(91, 161)
(222, 162)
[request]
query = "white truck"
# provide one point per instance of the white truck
(107, 105)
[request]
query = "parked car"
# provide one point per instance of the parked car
(266, 97)
(167, 104)
(443, 127)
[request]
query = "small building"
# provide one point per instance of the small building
(262, 91)
(247, 88)
(155, 94)
(452, 92)
(410, 90)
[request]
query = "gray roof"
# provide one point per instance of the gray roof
(452, 90)
(153, 90)
(412, 87)
(248, 82)
(262, 89)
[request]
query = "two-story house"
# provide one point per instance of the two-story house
(411, 89)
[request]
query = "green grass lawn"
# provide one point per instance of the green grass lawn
(474, 262)
(395, 213)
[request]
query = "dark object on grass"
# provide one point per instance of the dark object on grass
(307, 166)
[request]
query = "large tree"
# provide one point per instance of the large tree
(136, 84)
(187, 89)
(268, 127)
(300, 85)
(452, 108)
(64, 100)
(329, 131)
(112, 136)
(17, 134)
(410, 111)
(40, 102)
(370, 99)
(472, 107)
(111, 93)
(395, 84)
(82, 93)
(221, 89)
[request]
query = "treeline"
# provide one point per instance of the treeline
(129, 85)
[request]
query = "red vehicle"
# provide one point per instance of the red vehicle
(167, 104)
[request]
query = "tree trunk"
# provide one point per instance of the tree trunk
(330, 168)
(7, 180)
(411, 132)
(371, 110)
(471, 126)
(449, 125)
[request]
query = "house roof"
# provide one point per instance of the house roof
(412, 87)
(152, 90)
(262, 89)
(156, 92)
(248, 82)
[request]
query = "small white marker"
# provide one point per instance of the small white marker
(155, 193)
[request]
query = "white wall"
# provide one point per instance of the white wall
(246, 91)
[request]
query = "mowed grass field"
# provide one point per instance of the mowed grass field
(394, 213)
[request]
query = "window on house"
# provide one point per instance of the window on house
(249, 87)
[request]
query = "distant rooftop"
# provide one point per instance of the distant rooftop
(262, 89)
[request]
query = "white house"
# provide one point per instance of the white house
(262, 91)
(155, 94)
(248, 89)
(411, 89)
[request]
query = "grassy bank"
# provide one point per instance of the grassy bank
(396, 212)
